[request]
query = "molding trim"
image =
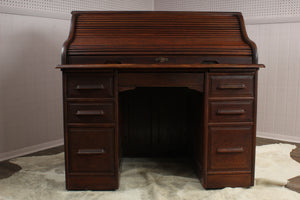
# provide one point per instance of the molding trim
(30, 149)
(286, 138)
(271, 20)
(35, 13)
(67, 16)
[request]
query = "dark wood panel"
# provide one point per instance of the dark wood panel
(135, 112)
(230, 148)
(228, 180)
(81, 112)
(91, 150)
(169, 122)
(191, 80)
(232, 85)
(231, 111)
(203, 33)
(158, 121)
(91, 182)
(158, 59)
(89, 85)
(196, 128)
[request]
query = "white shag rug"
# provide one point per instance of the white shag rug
(42, 178)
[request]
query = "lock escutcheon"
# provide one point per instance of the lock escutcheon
(162, 59)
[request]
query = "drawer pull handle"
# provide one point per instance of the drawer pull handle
(89, 112)
(90, 87)
(91, 152)
(230, 150)
(231, 86)
(231, 112)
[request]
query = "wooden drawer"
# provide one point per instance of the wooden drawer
(90, 113)
(230, 148)
(230, 85)
(159, 79)
(89, 85)
(91, 150)
(231, 111)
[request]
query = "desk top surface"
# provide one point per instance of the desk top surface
(159, 66)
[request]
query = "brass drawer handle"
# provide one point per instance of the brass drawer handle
(231, 86)
(89, 112)
(230, 150)
(90, 87)
(91, 152)
(231, 112)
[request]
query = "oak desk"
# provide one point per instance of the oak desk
(159, 84)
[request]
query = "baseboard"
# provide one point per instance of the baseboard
(30, 149)
(273, 136)
(55, 143)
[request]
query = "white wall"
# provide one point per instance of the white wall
(253, 8)
(61, 9)
(31, 37)
(274, 25)
(30, 87)
(279, 84)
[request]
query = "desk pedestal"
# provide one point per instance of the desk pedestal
(215, 126)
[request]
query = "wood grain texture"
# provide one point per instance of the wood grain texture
(91, 150)
(91, 85)
(167, 83)
(159, 122)
(138, 33)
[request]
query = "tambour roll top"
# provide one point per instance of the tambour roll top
(139, 37)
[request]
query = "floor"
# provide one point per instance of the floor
(7, 168)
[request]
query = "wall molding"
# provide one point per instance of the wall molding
(30, 149)
(272, 20)
(273, 136)
(35, 13)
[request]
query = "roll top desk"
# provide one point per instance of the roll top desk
(159, 84)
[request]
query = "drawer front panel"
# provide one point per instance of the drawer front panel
(232, 85)
(90, 113)
(230, 148)
(191, 80)
(89, 85)
(91, 150)
(231, 111)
